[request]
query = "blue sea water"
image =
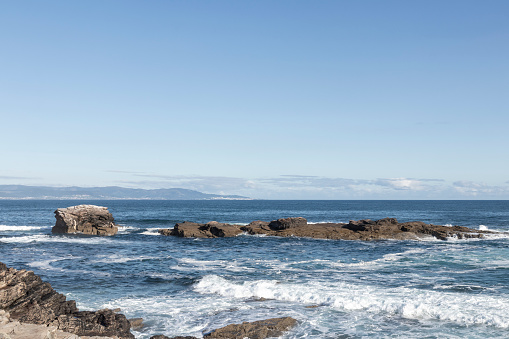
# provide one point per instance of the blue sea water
(334, 288)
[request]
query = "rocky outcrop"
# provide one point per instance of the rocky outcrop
(388, 228)
(86, 219)
(261, 329)
(212, 229)
(12, 329)
(28, 299)
(254, 330)
(282, 224)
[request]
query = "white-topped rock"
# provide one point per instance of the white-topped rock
(86, 219)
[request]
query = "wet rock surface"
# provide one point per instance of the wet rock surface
(254, 330)
(260, 329)
(29, 300)
(366, 229)
(85, 219)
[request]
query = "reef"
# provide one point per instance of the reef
(366, 229)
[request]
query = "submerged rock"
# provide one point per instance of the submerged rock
(30, 300)
(136, 323)
(86, 219)
(388, 228)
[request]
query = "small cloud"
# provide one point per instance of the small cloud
(474, 188)
(125, 172)
(407, 183)
(293, 181)
(199, 183)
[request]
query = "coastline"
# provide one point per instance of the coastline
(191, 286)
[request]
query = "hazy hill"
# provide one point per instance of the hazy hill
(105, 193)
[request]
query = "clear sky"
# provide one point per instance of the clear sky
(268, 99)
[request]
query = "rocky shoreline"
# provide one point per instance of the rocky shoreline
(388, 228)
(25, 298)
(31, 308)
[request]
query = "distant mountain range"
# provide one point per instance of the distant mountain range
(106, 193)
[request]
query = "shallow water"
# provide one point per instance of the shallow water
(380, 289)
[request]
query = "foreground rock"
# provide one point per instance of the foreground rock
(255, 330)
(86, 219)
(388, 228)
(261, 329)
(29, 300)
(12, 329)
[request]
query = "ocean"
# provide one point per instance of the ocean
(334, 288)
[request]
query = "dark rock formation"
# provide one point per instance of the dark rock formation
(282, 224)
(86, 219)
(253, 330)
(211, 229)
(388, 228)
(99, 323)
(30, 300)
(368, 225)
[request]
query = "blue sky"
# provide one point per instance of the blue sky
(268, 99)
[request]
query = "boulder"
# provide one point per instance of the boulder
(261, 329)
(282, 224)
(86, 219)
(254, 330)
(30, 300)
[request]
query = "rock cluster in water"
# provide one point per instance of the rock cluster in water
(86, 219)
(25, 298)
(388, 228)
(261, 329)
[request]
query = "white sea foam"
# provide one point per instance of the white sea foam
(51, 238)
(190, 264)
(483, 228)
(387, 259)
(151, 231)
(45, 264)
(116, 259)
(463, 309)
(20, 228)
(126, 229)
(327, 222)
